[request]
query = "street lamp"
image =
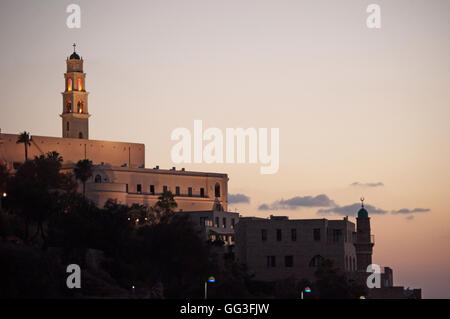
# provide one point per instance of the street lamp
(211, 279)
(362, 297)
(307, 289)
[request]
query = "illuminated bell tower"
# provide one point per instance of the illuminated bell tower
(75, 115)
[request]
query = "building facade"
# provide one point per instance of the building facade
(279, 248)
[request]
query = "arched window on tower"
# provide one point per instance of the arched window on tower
(69, 85)
(98, 178)
(316, 261)
(67, 126)
(80, 87)
(80, 106)
(217, 190)
(80, 135)
(69, 106)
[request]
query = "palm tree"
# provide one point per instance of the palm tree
(24, 138)
(83, 171)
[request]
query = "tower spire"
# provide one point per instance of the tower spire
(362, 201)
(74, 45)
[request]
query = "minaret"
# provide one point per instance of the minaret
(75, 115)
(364, 243)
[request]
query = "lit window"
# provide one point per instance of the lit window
(80, 107)
(69, 85)
(80, 88)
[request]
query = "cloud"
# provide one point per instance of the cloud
(358, 184)
(293, 203)
(264, 207)
(238, 198)
(350, 210)
(410, 217)
(411, 211)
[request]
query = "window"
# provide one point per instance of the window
(80, 87)
(152, 189)
(67, 126)
(264, 234)
(289, 261)
(217, 222)
(164, 188)
(98, 178)
(69, 85)
(354, 263)
(294, 234)
(126, 188)
(139, 188)
(316, 261)
(190, 191)
(203, 221)
(337, 234)
(202, 192)
(232, 223)
(177, 190)
(279, 237)
(80, 106)
(217, 190)
(69, 106)
(224, 222)
(80, 135)
(316, 234)
(271, 262)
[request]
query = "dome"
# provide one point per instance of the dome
(74, 56)
(362, 213)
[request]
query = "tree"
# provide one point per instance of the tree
(33, 190)
(164, 209)
(24, 138)
(331, 283)
(83, 171)
(4, 175)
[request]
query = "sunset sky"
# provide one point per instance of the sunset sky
(361, 112)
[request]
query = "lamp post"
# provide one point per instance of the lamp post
(211, 279)
(307, 289)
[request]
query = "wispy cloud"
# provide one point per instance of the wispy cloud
(358, 184)
(350, 210)
(411, 211)
(238, 198)
(293, 203)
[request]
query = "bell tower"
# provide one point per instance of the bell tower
(75, 115)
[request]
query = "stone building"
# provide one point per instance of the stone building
(279, 248)
(119, 168)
